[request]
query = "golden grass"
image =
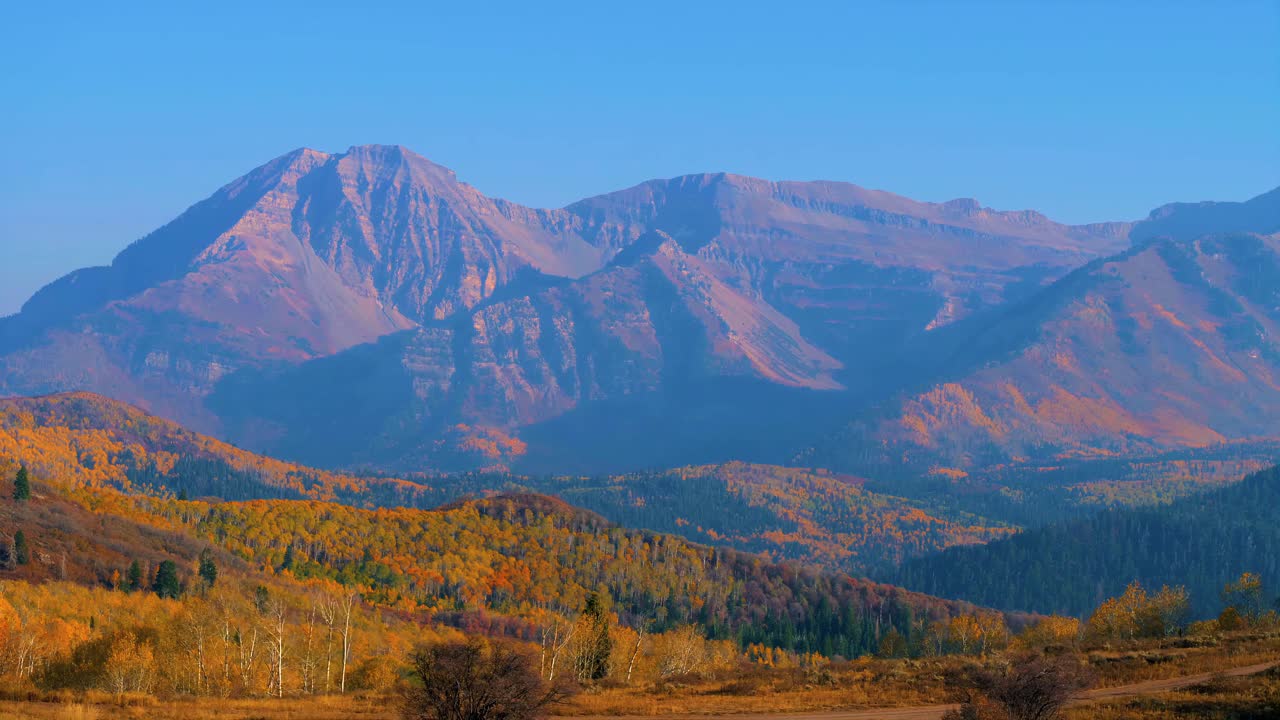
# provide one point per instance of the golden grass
(857, 684)
(310, 708)
(1178, 657)
(1242, 698)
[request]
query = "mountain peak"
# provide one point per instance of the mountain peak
(388, 153)
(967, 206)
(396, 161)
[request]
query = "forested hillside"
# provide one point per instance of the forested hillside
(787, 513)
(512, 555)
(1069, 567)
(515, 557)
(87, 440)
(841, 522)
(82, 439)
(1031, 494)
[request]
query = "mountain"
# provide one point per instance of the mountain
(1069, 567)
(324, 289)
(1171, 344)
(307, 255)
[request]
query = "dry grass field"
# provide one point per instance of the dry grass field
(1255, 697)
(856, 685)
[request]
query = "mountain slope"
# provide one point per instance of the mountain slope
(307, 255)
(707, 316)
(847, 264)
(500, 317)
(1171, 344)
(638, 327)
(1202, 543)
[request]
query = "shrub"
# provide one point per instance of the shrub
(1031, 687)
(475, 680)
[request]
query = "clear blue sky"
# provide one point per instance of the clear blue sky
(117, 116)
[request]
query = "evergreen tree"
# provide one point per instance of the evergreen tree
(22, 485)
(166, 584)
(287, 564)
(22, 553)
(208, 569)
(134, 578)
(261, 598)
(599, 646)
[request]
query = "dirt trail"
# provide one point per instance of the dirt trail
(933, 712)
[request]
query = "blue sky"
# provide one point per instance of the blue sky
(117, 116)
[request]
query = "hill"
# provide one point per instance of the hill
(821, 518)
(500, 562)
(90, 441)
(86, 440)
(1069, 567)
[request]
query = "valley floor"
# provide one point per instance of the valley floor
(1233, 681)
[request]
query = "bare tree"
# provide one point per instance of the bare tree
(193, 638)
(276, 627)
(347, 603)
(556, 637)
(229, 635)
(307, 660)
(248, 653)
(635, 652)
(328, 606)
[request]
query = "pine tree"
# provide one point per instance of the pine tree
(208, 569)
(166, 584)
(22, 553)
(134, 577)
(287, 563)
(22, 485)
(599, 645)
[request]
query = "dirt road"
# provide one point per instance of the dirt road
(933, 712)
